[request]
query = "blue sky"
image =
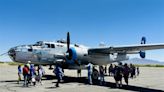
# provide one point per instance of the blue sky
(115, 22)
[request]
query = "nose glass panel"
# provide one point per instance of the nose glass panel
(12, 53)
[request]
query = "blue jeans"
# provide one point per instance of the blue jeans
(25, 80)
(89, 78)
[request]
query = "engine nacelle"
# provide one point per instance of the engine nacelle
(72, 58)
(142, 54)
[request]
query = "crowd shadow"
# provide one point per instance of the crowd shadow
(10, 81)
(49, 77)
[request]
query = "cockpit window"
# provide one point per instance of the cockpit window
(30, 50)
(47, 46)
(38, 43)
(52, 46)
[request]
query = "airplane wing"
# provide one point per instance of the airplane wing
(133, 49)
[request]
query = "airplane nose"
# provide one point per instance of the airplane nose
(12, 53)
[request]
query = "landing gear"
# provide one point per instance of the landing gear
(50, 68)
(95, 76)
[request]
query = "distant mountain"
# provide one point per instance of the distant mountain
(143, 61)
(135, 61)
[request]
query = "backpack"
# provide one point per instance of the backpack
(118, 71)
(25, 70)
(126, 71)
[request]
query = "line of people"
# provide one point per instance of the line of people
(31, 75)
(134, 71)
(123, 71)
(118, 72)
(95, 76)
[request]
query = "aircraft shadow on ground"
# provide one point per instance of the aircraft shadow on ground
(111, 85)
(83, 80)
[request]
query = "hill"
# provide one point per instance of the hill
(143, 61)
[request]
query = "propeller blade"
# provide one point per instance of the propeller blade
(68, 41)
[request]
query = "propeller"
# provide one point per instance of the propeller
(69, 51)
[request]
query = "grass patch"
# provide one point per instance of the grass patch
(11, 63)
(1, 62)
(15, 63)
(148, 65)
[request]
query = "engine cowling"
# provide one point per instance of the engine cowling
(142, 54)
(72, 57)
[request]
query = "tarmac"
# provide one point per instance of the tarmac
(149, 80)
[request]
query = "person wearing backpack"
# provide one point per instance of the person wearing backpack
(90, 72)
(118, 75)
(33, 74)
(110, 70)
(126, 71)
(25, 75)
(41, 72)
(101, 71)
(19, 73)
(59, 74)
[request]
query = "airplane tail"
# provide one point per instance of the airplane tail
(143, 53)
(143, 40)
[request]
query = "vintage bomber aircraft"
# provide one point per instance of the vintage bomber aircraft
(73, 56)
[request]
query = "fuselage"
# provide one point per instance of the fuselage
(50, 53)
